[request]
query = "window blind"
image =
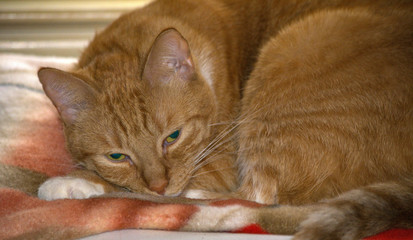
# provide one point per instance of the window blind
(53, 27)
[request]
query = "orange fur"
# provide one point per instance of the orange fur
(327, 100)
(330, 111)
(133, 110)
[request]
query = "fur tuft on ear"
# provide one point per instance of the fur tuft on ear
(68, 93)
(168, 59)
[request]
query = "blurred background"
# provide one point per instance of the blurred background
(56, 27)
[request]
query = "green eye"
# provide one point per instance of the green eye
(116, 157)
(172, 138)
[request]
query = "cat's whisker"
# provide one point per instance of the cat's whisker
(213, 143)
(206, 154)
(220, 123)
(211, 171)
(206, 148)
(210, 157)
(194, 164)
(209, 160)
(217, 142)
(212, 148)
(225, 132)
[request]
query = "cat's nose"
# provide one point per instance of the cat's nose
(158, 186)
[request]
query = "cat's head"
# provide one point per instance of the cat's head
(139, 128)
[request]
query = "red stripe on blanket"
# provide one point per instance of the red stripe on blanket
(39, 143)
(253, 228)
(394, 234)
(22, 215)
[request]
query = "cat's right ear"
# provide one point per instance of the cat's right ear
(69, 94)
(169, 58)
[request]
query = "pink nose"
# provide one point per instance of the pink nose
(158, 186)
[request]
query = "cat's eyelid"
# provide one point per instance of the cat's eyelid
(122, 159)
(170, 131)
(113, 153)
(117, 153)
(177, 132)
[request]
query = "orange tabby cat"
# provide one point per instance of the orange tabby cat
(154, 102)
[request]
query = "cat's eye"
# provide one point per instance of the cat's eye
(172, 138)
(117, 157)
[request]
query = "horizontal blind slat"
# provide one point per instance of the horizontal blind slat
(68, 5)
(53, 27)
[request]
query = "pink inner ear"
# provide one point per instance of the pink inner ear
(68, 93)
(169, 57)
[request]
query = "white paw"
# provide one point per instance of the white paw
(196, 194)
(204, 194)
(69, 187)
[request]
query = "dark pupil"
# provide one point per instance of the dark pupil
(174, 134)
(116, 155)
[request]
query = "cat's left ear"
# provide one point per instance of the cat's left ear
(169, 58)
(69, 94)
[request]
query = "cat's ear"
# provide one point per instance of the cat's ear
(68, 93)
(169, 58)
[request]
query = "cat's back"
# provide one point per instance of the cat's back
(335, 99)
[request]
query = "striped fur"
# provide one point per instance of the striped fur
(326, 109)
(361, 213)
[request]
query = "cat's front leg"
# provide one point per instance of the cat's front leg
(258, 177)
(78, 185)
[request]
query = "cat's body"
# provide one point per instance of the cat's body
(332, 111)
(327, 106)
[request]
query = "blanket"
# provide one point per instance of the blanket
(32, 144)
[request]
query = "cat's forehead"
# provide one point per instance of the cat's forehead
(139, 110)
(125, 95)
(116, 68)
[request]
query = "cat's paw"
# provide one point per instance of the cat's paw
(204, 194)
(69, 187)
(197, 194)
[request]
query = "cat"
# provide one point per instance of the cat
(278, 102)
